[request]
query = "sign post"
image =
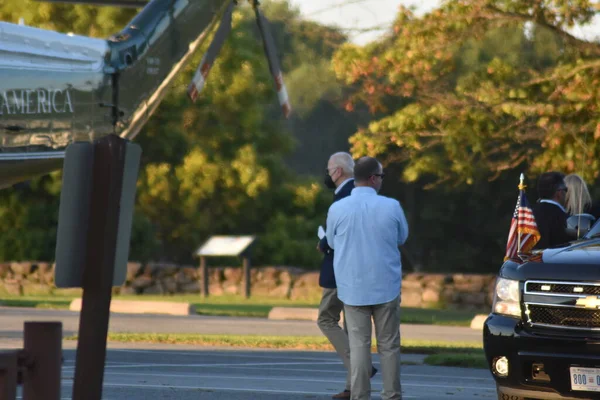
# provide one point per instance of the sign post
(222, 246)
(92, 249)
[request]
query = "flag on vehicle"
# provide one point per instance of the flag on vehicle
(524, 233)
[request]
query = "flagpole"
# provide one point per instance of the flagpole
(521, 187)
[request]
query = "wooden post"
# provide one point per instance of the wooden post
(43, 349)
(247, 277)
(204, 272)
(9, 364)
(97, 281)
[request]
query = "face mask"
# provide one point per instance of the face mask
(328, 181)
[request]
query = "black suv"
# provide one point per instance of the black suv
(542, 339)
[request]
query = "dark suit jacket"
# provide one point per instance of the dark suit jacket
(327, 278)
(552, 224)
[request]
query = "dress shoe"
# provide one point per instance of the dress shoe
(342, 395)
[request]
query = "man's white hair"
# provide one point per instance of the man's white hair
(344, 161)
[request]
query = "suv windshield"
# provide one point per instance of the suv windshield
(594, 232)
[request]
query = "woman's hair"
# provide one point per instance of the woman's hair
(578, 197)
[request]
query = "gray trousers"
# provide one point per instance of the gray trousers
(386, 318)
(328, 321)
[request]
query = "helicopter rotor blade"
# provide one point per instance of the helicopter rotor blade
(271, 53)
(199, 79)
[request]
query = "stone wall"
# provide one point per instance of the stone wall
(418, 290)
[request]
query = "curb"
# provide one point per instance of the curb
(294, 313)
(477, 322)
(143, 307)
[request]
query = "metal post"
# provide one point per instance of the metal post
(97, 280)
(9, 363)
(246, 266)
(43, 350)
(204, 272)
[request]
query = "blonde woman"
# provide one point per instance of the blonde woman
(578, 199)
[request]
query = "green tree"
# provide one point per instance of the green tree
(489, 85)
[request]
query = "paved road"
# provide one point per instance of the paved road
(12, 319)
(159, 371)
(187, 373)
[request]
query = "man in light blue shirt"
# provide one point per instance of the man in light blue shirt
(365, 230)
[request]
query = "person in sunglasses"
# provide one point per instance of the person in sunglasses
(549, 211)
(365, 230)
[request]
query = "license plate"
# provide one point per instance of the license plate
(587, 379)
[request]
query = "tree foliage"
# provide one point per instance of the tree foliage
(477, 88)
(214, 167)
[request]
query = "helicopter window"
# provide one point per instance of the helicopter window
(166, 20)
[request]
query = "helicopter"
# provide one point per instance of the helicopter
(57, 89)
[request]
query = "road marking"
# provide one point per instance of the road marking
(271, 378)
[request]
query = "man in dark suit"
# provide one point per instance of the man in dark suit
(549, 211)
(339, 176)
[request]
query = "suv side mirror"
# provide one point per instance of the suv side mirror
(580, 224)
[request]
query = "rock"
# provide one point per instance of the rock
(412, 277)
(436, 279)
(189, 272)
(191, 287)
(182, 278)
(308, 279)
(21, 268)
(5, 270)
(431, 296)
(133, 269)
(283, 290)
(127, 291)
(269, 274)
(476, 300)
(154, 289)
(11, 287)
(411, 285)
(285, 277)
(411, 299)
(44, 267)
(162, 270)
(142, 282)
(31, 288)
(232, 275)
(231, 288)
(169, 285)
(47, 277)
(215, 290)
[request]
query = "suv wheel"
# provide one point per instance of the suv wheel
(506, 396)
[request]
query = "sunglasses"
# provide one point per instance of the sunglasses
(379, 175)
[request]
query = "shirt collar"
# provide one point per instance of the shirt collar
(363, 190)
(553, 202)
(342, 185)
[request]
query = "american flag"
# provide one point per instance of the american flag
(523, 228)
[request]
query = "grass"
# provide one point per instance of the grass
(239, 306)
(439, 353)
(280, 342)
